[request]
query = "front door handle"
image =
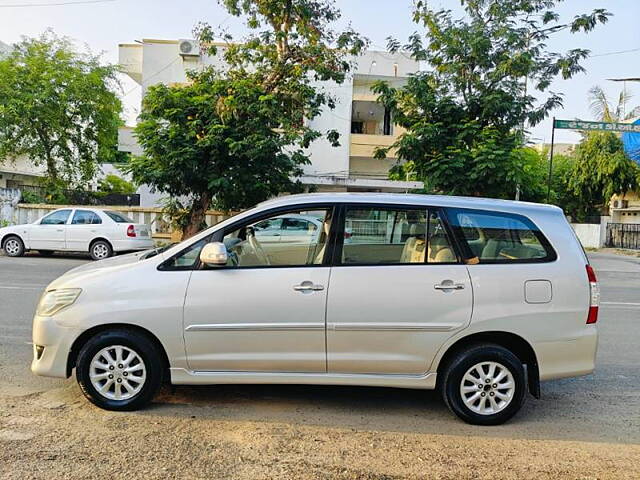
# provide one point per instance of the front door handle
(449, 285)
(308, 286)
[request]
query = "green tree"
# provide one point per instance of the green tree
(114, 184)
(191, 150)
(599, 170)
(58, 107)
(238, 135)
(605, 110)
(466, 114)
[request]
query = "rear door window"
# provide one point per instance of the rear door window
(389, 236)
(85, 217)
(496, 237)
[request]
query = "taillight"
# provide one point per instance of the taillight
(347, 234)
(131, 231)
(594, 295)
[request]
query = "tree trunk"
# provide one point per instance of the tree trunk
(197, 215)
(52, 169)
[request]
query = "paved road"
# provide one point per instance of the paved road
(591, 424)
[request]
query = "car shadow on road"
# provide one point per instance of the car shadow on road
(569, 410)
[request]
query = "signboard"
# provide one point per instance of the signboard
(602, 126)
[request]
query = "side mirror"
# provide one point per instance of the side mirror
(214, 253)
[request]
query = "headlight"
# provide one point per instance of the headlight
(55, 300)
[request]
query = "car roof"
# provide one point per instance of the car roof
(414, 199)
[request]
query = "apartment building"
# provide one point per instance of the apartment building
(362, 123)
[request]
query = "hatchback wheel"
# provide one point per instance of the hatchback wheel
(484, 385)
(100, 250)
(119, 370)
(13, 247)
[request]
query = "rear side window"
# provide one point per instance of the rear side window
(494, 237)
(390, 236)
(118, 217)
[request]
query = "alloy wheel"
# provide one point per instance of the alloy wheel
(487, 388)
(100, 251)
(12, 246)
(117, 372)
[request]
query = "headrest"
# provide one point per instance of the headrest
(417, 229)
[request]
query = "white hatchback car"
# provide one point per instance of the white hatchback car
(479, 298)
(101, 233)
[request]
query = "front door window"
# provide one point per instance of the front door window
(56, 218)
(293, 239)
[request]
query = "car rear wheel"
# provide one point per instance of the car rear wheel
(13, 246)
(100, 249)
(119, 370)
(484, 385)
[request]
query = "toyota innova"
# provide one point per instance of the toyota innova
(481, 299)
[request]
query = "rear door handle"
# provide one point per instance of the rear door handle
(308, 287)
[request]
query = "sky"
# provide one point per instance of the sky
(102, 25)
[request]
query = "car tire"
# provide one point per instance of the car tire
(119, 370)
(484, 384)
(100, 249)
(45, 253)
(13, 246)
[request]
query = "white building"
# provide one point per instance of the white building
(362, 123)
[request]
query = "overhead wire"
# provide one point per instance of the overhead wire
(55, 4)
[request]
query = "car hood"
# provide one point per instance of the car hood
(76, 276)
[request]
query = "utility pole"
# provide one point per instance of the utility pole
(553, 138)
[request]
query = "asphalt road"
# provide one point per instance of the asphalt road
(586, 427)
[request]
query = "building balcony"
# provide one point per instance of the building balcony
(130, 60)
(364, 145)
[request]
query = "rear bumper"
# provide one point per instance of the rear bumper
(568, 358)
(51, 346)
(132, 244)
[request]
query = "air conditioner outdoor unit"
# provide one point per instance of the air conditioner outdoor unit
(189, 48)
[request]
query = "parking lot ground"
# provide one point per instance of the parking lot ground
(582, 428)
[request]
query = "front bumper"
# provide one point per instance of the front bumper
(51, 346)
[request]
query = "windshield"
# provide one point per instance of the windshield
(118, 217)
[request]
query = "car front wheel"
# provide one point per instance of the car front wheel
(484, 385)
(13, 247)
(119, 370)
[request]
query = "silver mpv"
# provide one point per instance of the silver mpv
(481, 299)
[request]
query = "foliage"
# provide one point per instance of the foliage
(534, 166)
(238, 135)
(600, 169)
(179, 216)
(31, 197)
(604, 110)
(465, 116)
(115, 184)
(561, 191)
(190, 150)
(57, 107)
